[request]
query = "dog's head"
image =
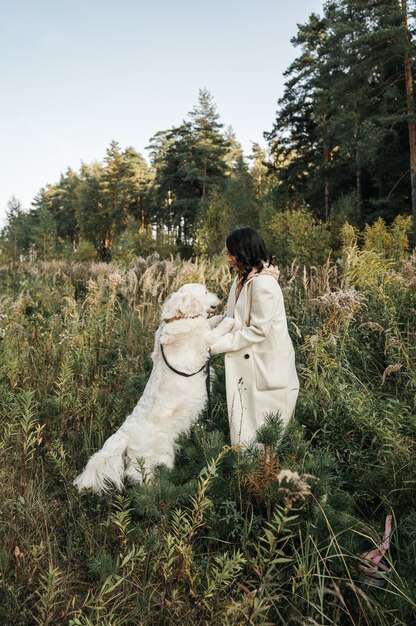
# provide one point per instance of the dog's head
(191, 300)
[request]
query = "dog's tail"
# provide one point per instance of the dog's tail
(106, 467)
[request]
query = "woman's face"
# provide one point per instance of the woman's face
(232, 261)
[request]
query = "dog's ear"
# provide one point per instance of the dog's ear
(180, 305)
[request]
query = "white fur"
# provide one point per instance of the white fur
(170, 403)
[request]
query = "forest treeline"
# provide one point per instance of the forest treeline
(342, 148)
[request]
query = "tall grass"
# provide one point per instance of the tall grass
(268, 536)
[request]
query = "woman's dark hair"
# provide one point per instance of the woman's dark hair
(249, 250)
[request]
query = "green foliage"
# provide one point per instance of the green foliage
(297, 236)
(107, 195)
(85, 251)
(341, 130)
(45, 235)
(390, 241)
(268, 535)
(138, 241)
(190, 163)
(237, 205)
(15, 238)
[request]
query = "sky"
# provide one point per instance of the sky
(77, 74)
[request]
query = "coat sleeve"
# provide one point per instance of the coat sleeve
(264, 299)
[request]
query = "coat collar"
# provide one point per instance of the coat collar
(269, 270)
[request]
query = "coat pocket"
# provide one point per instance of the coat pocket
(271, 369)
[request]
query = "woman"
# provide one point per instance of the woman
(260, 367)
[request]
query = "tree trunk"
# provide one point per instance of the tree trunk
(140, 213)
(358, 179)
(326, 184)
(204, 191)
(408, 73)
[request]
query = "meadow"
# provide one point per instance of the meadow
(271, 535)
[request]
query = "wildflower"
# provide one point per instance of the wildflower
(342, 300)
(114, 280)
(372, 326)
(391, 369)
(313, 339)
(298, 487)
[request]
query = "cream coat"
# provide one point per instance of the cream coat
(259, 357)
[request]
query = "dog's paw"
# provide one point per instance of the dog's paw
(134, 474)
(215, 320)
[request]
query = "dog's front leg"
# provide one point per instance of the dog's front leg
(215, 320)
(224, 327)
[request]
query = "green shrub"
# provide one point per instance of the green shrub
(390, 241)
(85, 251)
(296, 235)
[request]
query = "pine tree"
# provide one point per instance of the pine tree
(123, 186)
(61, 200)
(367, 99)
(410, 101)
(210, 146)
(95, 222)
(340, 128)
(15, 237)
(44, 235)
(190, 164)
(234, 149)
(108, 194)
(236, 205)
(296, 148)
(259, 171)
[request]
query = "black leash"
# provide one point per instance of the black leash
(208, 384)
(207, 369)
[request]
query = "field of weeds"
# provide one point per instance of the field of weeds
(271, 536)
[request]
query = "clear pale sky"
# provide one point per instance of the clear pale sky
(77, 74)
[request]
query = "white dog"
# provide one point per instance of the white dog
(174, 395)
